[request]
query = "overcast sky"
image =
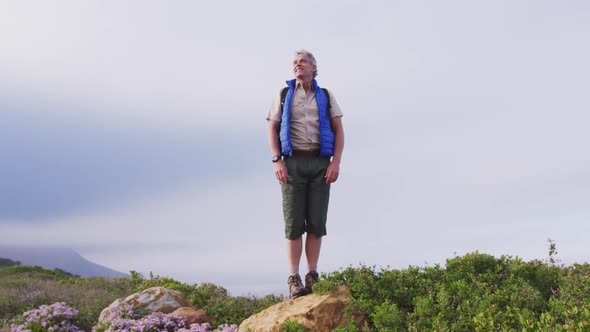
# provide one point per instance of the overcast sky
(134, 131)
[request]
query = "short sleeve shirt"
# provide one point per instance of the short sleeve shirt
(305, 123)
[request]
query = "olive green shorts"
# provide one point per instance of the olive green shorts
(305, 196)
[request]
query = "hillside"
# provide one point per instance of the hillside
(7, 262)
(62, 258)
(474, 292)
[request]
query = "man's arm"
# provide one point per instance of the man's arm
(334, 168)
(279, 167)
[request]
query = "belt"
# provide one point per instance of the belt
(308, 153)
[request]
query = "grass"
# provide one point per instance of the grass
(474, 292)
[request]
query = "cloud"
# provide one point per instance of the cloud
(58, 162)
(196, 235)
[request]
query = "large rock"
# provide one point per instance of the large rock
(192, 315)
(317, 313)
(152, 299)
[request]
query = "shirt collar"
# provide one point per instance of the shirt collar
(300, 85)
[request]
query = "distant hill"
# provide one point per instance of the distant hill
(7, 262)
(62, 258)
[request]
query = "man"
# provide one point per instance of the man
(306, 140)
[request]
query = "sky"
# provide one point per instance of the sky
(134, 132)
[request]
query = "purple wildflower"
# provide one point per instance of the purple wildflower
(55, 318)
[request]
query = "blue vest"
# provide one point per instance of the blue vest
(326, 132)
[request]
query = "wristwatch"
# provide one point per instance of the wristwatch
(276, 158)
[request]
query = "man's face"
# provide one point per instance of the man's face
(302, 67)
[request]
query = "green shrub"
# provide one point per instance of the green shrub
(542, 276)
(474, 292)
(388, 318)
(292, 326)
(475, 267)
(220, 306)
(23, 271)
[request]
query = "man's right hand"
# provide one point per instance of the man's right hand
(280, 171)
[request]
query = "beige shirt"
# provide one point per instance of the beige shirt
(305, 123)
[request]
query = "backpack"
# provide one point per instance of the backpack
(284, 95)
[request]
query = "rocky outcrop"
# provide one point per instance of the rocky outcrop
(192, 315)
(318, 313)
(152, 299)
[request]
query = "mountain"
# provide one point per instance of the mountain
(4, 262)
(57, 257)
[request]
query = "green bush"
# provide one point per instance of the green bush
(220, 306)
(388, 318)
(474, 292)
(292, 326)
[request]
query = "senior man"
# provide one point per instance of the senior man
(306, 140)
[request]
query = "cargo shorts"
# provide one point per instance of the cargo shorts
(305, 196)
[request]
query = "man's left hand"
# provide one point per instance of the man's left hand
(332, 172)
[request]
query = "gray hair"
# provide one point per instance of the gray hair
(311, 58)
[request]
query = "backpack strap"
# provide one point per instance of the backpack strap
(286, 89)
(283, 96)
(327, 97)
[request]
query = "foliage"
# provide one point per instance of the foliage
(26, 287)
(215, 300)
(57, 317)
(292, 326)
(35, 272)
(127, 320)
(475, 292)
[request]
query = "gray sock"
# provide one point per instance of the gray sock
(294, 270)
(312, 268)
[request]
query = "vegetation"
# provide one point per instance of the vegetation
(292, 326)
(214, 300)
(474, 292)
(26, 288)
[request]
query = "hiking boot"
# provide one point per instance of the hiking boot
(296, 288)
(310, 279)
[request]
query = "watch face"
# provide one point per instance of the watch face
(276, 158)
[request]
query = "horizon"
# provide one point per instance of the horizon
(263, 289)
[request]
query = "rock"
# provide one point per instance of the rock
(152, 299)
(192, 315)
(5, 329)
(317, 313)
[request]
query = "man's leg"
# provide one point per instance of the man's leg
(294, 206)
(313, 245)
(318, 197)
(294, 249)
